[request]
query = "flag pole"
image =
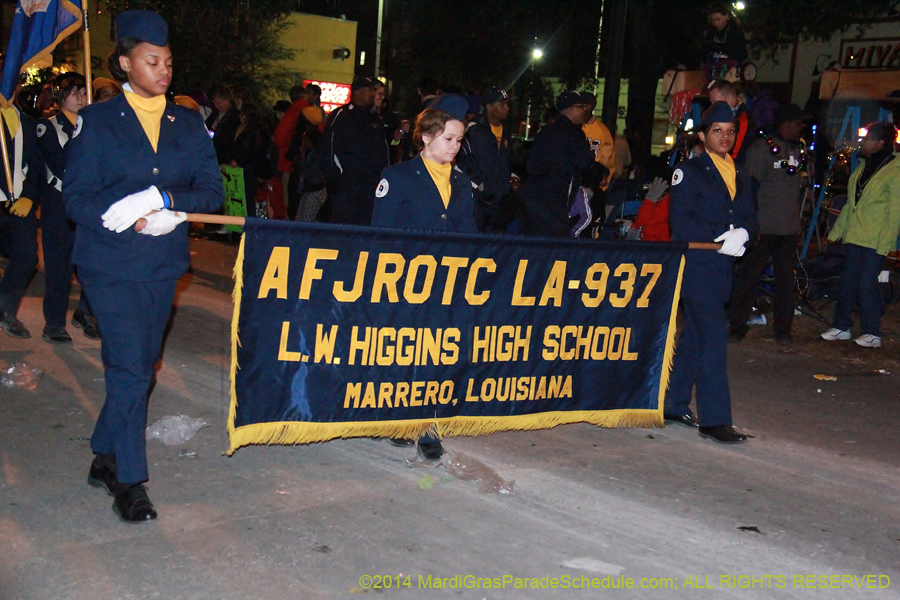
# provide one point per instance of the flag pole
(10, 193)
(239, 221)
(87, 52)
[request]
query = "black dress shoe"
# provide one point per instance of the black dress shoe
(13, 327)
(687, 420)
(723, 434)
(103, 476)
(430, 450)
(132, 505)
(56, 335)
(735, 336)
(87, 324)
(401, 442)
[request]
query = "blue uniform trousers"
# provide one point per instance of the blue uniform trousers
(20, 236)
(57, 240)
(132, 317)
(700, 358)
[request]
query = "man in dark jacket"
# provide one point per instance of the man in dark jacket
(559, 161)
(778, 201)
(484, 157)
(354, 152)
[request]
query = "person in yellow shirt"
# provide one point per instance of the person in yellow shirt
(602, 144)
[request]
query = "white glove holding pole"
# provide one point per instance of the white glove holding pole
(733, 241)
(124, 213)
(162, 222)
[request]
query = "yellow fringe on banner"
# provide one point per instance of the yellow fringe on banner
(295, 432)
(236, 298)
(669, 354)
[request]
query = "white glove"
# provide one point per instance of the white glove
(657, 189)
(733, 241)
(162, 222)
(123, 214)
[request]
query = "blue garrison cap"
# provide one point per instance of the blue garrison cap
(718, 112)
(144, 25)
(453, 104)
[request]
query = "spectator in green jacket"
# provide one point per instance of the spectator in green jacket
(868, 225)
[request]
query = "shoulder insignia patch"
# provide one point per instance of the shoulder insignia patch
(41, 129)
(78, 123)
(383, 188)
(677, 177)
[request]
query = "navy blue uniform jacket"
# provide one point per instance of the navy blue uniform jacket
(109, 158)
(701, 210)
(32, 160)
(407, 198)
(485, 162)
(53, 150)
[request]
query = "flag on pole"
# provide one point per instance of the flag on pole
(37, 27)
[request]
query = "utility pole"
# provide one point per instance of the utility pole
(616, 29)
(378, 39)
(599, 44)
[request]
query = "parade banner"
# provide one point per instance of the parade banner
(344, 331)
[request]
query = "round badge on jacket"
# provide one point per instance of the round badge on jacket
(677, 177)
(41, 129)
(383, 187)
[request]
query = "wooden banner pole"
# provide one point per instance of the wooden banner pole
(239, 221)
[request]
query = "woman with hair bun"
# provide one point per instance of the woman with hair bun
(134, 161)
(430, 193)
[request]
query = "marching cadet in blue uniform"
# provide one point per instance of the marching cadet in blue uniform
(429, 193)
(711, 201)
(135, 160)
(18, 224)
(57, 232)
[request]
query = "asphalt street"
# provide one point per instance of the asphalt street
(809, 508)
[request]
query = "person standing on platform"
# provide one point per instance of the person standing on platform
(57, 231)
(353, 153)
(778, 202)
(711, 201)
(18, 223)
(134, 161)
(429, 193)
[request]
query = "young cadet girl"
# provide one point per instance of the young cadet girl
(134, 157)
(58, 233)
(429, 193)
